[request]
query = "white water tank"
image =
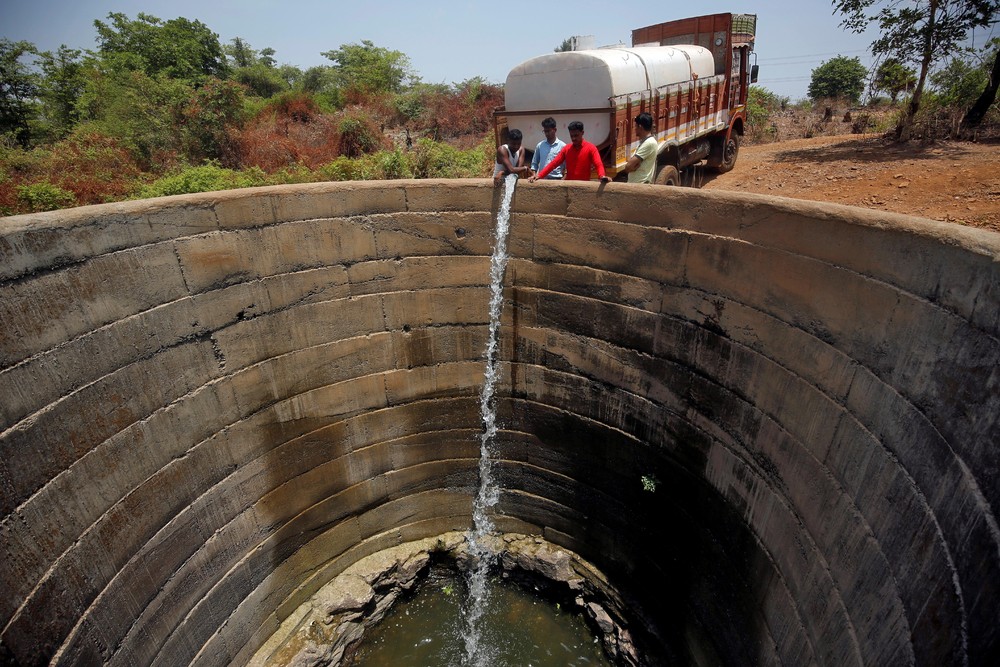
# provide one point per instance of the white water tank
(563, 85)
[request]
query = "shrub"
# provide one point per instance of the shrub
(206, 178)
(761, 104)
(465, 109)
(432, 159)
(340, 169)
(358, 134)
(43, 197)
(210, 117)
(392, 164)
(289, 131)
(93, 167)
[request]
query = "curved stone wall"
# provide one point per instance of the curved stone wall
(213, 404)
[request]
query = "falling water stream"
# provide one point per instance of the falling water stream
(488, 494)
(499, 624)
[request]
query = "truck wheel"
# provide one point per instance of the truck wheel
(668, 175)
(724, 152)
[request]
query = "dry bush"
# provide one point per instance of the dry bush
(358, 133)
(466, 110)
(290, 131)
(295, 132)
(93, 167)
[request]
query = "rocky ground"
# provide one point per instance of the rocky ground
(945, 180)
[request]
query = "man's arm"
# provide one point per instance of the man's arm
(642, 152)
(536, 157)
(520, 157)
(595, 158)
(555, 162)
(633, 162)
(503, 156)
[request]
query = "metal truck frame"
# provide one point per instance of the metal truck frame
(695, 120)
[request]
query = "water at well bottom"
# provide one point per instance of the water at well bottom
(519, 629)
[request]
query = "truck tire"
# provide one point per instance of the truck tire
(668, 175)
(724, 153)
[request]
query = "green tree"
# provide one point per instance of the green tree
(254, 69)
(18, 91)
(260, 80)
(140, 110)
(958, 83)
(917, 31)
(368, 68)
(565, 45)
(840, 77)
(240, 53)
(178, 48)
(893, 77)
(291, 75)
(978, 110)
(60, 88)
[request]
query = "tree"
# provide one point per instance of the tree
(841, 77)
(566, 45)
(917, 31)
(18, 91)
(240, 53)
(140, 110)
(178, 48)
(209, 116)
(60, 87)
(369, 68)
(958, 83)
(254, 69)
(977, 112)
(894, 77)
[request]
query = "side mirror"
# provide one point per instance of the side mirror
(753, 73)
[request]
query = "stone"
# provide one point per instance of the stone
(349, 593)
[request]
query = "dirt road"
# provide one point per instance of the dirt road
(949, 181)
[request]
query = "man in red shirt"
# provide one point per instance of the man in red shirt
(579, 155)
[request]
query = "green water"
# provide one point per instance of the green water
(519, 629)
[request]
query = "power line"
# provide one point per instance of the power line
(786, 79)
(812, 55)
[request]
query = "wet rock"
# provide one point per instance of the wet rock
(348, 593)
(600, 617)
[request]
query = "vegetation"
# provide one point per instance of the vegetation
(565, 45)
(649, 483)
(762, 104)
(839, 77)
(922, 32)
(162, 107)
(981, 107)
(894, 78)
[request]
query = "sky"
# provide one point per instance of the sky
(449, 42)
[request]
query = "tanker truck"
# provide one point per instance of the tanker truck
(690, 75)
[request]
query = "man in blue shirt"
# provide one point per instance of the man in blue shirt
(547, 149)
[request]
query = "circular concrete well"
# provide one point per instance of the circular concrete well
(774, 425)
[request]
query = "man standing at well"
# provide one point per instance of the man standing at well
(641, 165)
(547, 149)
(579, 156)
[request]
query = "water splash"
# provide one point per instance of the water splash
(489, 493)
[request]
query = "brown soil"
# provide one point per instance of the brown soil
(946, 180)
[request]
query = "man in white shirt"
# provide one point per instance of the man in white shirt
(642, 164)
(547, 149)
